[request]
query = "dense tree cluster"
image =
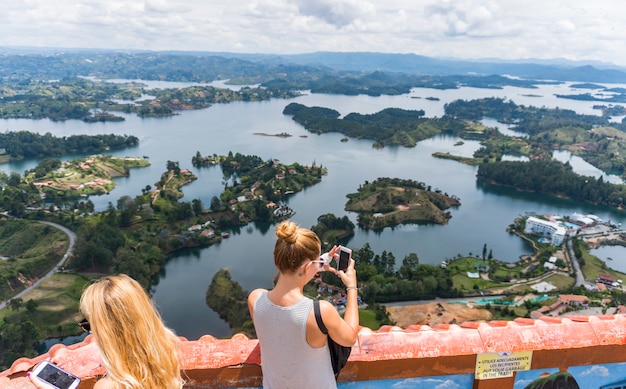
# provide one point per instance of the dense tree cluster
(592, 137)
(16, 194)
(22, 144)
(16, 341)
(380, 282)
(391, 126)
(391, 201)
(531, 120)
(331, 229)
(229, 300)
(553, 178)
(249, 174)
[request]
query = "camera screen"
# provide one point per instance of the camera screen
(344, 259)
(56, 377)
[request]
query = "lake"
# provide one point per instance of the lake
(481, 219)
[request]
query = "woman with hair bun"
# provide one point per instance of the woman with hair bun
(294, 351)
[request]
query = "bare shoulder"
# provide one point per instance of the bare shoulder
(254, 295)
(328, 311)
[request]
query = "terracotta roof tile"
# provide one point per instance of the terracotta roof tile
(389, 344)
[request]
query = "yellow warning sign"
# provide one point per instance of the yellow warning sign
(500, 365)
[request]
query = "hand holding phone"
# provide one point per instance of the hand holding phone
(48, 375)
(344, 258)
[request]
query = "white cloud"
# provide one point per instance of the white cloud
(435, 383)
(442, 28)
(463, 18)
(338, 13)
(596, 371)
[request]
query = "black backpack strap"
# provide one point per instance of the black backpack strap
(318, 317)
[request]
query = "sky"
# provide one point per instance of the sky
(465, 29)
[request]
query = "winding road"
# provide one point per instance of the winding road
(580, 279)
(70, 247)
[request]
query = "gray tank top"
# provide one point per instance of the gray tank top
(287, 360)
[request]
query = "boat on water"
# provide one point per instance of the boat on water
(225, 235)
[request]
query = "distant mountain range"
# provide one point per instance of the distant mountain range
(557, 69)
(360, 62)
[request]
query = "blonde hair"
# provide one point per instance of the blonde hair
(294, 246)
(138, 351)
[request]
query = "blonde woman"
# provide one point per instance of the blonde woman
(294, 352)
(138, 351)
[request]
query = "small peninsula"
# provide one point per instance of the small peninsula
(82, 177)
(388, 202)
(279, 135)
(256, 187)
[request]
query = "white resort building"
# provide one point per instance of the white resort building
(551, 230)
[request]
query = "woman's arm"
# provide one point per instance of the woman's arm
(343, 330)
(252, 297)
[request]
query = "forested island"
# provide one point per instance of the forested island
(58, 182)
(25, 144)
(593, 138)
(553, 178)
(67, 86)
(391, 201)
(392, 126)
(265, 182)
(93, 101)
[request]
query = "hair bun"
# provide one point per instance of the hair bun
(287, 231)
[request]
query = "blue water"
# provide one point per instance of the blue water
(482, 218)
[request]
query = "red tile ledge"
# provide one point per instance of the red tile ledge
(389, 352)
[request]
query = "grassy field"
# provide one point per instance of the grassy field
(368, 319)
(561, 281)
(31, 250)
(461, 266)
(594, 266)
(57, 305)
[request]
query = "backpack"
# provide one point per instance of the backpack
(338, 354)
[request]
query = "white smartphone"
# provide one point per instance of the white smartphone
(344, 258)
(55, 377)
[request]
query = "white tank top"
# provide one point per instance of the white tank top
(287, 360)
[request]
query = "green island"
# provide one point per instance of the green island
(331, 229)
(555, 179)
(391, 201)
(391, 126)
(59, 181)
(93, 101)
(594, 138)
(267, 182)
(24, 144)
